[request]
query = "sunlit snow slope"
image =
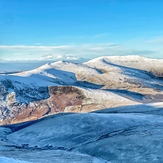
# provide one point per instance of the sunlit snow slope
(70, 87)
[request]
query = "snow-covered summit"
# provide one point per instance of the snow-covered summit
(153, 66)
(127, 59)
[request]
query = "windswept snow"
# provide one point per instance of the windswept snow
(133, 61)
(106, 97)
(11, 160)
(122, 134)
(82, 71)
(129, 59)
(47, 74)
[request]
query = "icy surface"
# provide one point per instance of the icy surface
(122, 134)
(50, 156)
(11, 160)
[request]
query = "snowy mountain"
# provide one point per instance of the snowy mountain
(106, 110)
(72, 87)
(153, 66)
(10, 66)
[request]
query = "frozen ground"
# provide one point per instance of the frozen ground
(122, 134)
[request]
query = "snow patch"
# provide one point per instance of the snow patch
(11, 160)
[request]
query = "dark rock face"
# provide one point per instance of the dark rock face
(59, 98)
(15, 101)
(54, 90)
(63, 96)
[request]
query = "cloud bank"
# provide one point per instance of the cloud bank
(37, 52)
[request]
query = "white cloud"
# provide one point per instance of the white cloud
(35, 52)
(46, 57)
(71, 58)
(67, 57)
(59, 57)
(24, 52)
(33, 47)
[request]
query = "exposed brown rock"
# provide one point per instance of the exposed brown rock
(62, 99)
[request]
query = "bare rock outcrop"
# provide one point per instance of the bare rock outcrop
(62, 99)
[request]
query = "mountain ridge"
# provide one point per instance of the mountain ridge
(27, 92)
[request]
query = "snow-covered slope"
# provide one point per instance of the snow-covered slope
(104, 82)
(44, 74)
(125, 134)
(118, 73)
(33, 85)
(155, 66)
(81, 71)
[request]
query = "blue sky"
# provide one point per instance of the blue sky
(50, 29)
